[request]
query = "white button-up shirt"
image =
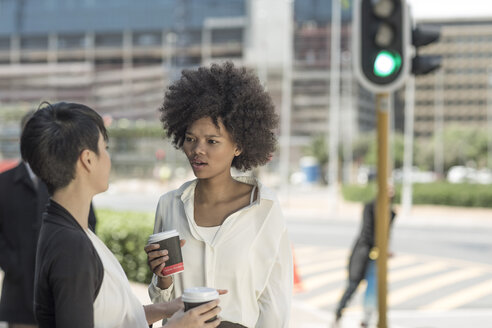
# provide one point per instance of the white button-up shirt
(250, 256)
(115, 306)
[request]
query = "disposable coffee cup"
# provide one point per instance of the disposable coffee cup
(196, 296)
(169, 240)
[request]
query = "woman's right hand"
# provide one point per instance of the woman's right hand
(156, 258)
(196, 317)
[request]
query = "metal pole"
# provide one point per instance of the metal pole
(285, 118)
(206, 43)
(334, 100)
(391, 135)
(170, 41)
(439, 125)
(348, 122)
(408, 145)
(489, 118)
(382, 207)
(127, 70)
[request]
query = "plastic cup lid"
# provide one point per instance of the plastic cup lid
(199, 294)
(162, 235)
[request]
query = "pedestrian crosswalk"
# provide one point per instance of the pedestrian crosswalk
(414, 281)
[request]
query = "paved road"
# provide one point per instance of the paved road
(416, 283)
(440, 276)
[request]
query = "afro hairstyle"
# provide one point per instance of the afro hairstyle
(232, 95)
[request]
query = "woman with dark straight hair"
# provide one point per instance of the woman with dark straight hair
(78, 281)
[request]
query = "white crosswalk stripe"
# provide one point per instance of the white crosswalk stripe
(401, 295)
(321, 266)
(462, 297)
(414, 281)
(401, 261)
(414, 271)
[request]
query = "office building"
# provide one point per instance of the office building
(458, 92)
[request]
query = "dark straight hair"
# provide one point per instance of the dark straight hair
(53, 138)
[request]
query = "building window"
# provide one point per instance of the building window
(232, 35)
(4, 43)
(147, 39)
(189, 37)
(34, 42)
(71, 41)
(110, 40)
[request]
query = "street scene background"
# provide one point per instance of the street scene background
(440, 274)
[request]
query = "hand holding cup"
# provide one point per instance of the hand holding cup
(198, 317)
(164, 253)
(196, 296)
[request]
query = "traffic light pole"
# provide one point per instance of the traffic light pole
(382, 207)
(382, 39)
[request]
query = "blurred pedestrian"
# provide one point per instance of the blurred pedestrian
(236, 236)
(78, 281)
(362, 264)
(23, 199)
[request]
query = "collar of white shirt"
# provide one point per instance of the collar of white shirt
(187, 189)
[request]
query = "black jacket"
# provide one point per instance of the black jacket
(21, 208)
(364, 243)
(69, 272)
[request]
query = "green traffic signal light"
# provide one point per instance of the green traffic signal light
(381, 42)
(386, 63)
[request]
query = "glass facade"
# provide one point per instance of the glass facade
(319, 11)
(75, 16)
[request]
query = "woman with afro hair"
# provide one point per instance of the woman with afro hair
(236, 237)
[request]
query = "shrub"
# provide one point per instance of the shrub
(462, 194)
(125, 234)
(437, 193)
(359, 193)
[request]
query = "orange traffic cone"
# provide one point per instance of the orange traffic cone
(297, 277)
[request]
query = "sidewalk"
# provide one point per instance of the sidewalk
(313, 202)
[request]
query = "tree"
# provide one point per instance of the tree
(463, 145)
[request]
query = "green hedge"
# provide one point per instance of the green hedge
(125, 234)
(437, 193)
(359, 193)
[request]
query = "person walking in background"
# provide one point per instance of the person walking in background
(23, 199)
(78, 281)
(236, 236)
(362, 264)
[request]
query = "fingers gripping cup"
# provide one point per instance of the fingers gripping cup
(169, 240)
(196, 296)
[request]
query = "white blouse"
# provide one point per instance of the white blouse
(115, 304)
(208, 233)
(250, 256)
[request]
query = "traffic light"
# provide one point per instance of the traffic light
(423, 35)
(381, 40)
